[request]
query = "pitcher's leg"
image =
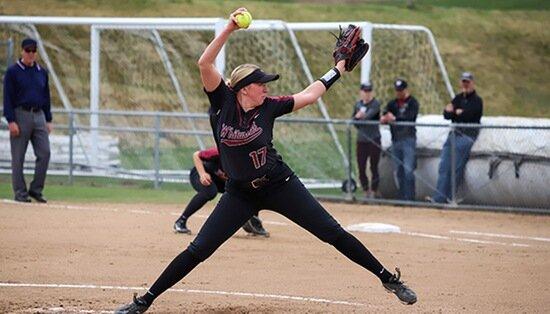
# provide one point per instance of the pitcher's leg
(295, 202)
(228, 216)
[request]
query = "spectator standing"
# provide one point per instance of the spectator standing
(367, 108)
(404, 108)
(466, 107)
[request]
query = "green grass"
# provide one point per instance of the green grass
(106, 191)
(101, 190)
(506, 43)
(489, 4)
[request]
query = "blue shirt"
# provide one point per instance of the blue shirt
(26, 86)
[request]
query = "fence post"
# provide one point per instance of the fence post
(71, 146)
(349, 189)
(156, 152)
(453, 166)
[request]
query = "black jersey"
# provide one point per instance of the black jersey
(245, 139)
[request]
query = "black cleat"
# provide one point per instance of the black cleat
(254, 227)
(397, 287)
(22, 199)
(137, 306)
(180, 226)
(38, 197)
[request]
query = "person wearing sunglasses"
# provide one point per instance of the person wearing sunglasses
(27, 110)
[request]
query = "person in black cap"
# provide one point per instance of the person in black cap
(258, 177)
(466, 107)
(367, 108)
(27, 109)
(404, 108)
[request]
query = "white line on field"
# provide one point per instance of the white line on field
(60, 206)
(267, 222)
(63, 309)
(441, 237)
(215, 292)
(133, 211)
(498, 235)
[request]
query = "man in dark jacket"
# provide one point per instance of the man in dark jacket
(27, 109)
(466, 107)
(404, 108)
(367, 108)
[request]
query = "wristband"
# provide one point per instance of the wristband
(330, 77)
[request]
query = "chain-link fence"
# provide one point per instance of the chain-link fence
(505, 167)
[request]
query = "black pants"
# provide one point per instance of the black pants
(204, 193)
(288, 197)
(366, 150)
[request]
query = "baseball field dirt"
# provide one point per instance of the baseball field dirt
(91, 258)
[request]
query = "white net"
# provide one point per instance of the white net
(408, 54)
(135, 76)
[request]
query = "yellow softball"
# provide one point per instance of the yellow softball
(243, 19)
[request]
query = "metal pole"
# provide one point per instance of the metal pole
(159, 46)
(71, 146)
(220, 58)
(156, 151)
(453, 166)
(440, 63)
(366, 63)
(94, 91)
(349, 191)
(320, 101)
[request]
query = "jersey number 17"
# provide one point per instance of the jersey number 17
(259, 157)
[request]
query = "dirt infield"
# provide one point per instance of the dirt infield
(88, 258)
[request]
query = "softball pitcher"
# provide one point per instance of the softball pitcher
(258, 177)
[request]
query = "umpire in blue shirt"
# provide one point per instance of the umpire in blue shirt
(27, 109)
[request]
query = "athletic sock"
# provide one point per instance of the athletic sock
(176, 270)
(353, 249)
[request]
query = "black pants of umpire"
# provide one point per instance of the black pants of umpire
(32, 128)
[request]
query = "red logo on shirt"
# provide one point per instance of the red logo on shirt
(232, 137)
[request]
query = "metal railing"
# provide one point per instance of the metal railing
(508, 167)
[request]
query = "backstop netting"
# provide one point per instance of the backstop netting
(152, 67)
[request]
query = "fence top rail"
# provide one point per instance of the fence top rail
(64, 20)
(163, 114)
(204, 22)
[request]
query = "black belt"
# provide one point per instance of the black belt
(31, 109)
(259, 182)
(251, 185)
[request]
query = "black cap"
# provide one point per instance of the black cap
(367, 87)
(467, 76)
(400, 84)
(257, 76)
(28, 42)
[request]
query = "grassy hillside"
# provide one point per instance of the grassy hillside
(505, 43)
